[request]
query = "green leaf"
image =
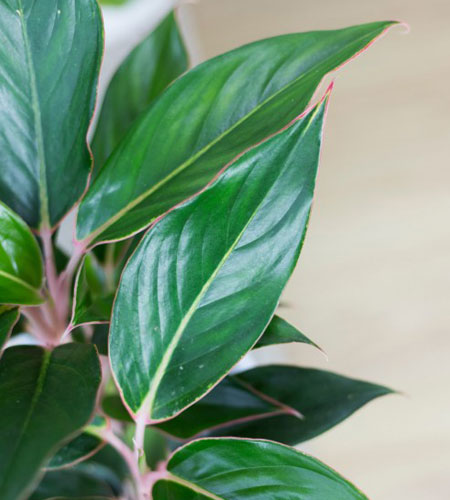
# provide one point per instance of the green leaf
(45, 398)
(156, 448)
(207, 118)
(280, 331)
(50, 56)
(91, 303)
(237, 469)
(74, 484)
(8, 318)
(287, 404)
(103, 474)
(113, 407)
(204, 282)
(142, 77)
(230, 402)
(82, 447)
(20, 261)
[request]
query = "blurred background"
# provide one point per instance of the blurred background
(372, 285)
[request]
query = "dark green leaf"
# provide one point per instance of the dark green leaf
(50, 55)
(144, 74)
(104, 473)
(20, 260)
(169, 490)
(156, 449)
(100, 338)
(207, 118)
(74, 484)
(80, 448)
(280, 331)
(205, 281)
(8, 318)
(45, 397)
(91, 303)
(237, 469)
(309, 402)
(113, 407)
(230, 402)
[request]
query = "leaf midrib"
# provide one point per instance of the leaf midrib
(193, 487)
(43, 195)
(20, 282)
(97, 232)
(149, 400)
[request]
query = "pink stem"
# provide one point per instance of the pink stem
(129, 458)
(50, 268)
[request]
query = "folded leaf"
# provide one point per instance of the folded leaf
(91, 304)
(144, 74)
(20, 261)
(204, 282)
(279, 331)
(50, 55)
(234, 469)
(81, 447)
(8, 318)
(45, 397)
(207, 118)
(300, 403)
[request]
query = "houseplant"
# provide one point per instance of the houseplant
(190, 221)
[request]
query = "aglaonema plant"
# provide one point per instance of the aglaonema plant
(117, 374)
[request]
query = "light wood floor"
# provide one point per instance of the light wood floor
(372, 286)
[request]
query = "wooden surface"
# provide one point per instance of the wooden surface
(372, 287)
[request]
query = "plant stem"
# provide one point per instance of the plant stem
(139, 436)
(75, 258)
(138, 442)
(129, 458)
(49, 259)
(38, 325)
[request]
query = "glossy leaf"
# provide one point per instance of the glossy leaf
(20, 261)
(50, 54)
(45, 397)
(81, 447)
(295, 405)
(279, 331)
(92, 304)
(144, 74)
(237, 469)
(205, 281)
(205, 119)
(8, 318)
